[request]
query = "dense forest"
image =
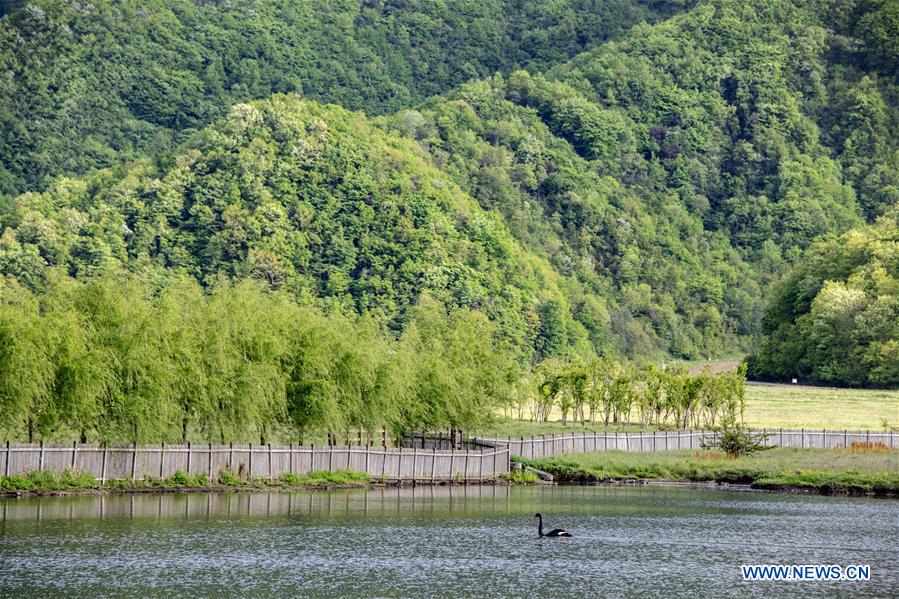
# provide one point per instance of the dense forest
(93, 84)
(835, 317)
(425, 177)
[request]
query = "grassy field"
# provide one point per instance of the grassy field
(767, 406)
(799, 406)
(834, 469)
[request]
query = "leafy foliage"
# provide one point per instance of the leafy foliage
(247, 268)
(115, 360)
(620, 393)
(95, 84)
(835, 317)
(736, 440)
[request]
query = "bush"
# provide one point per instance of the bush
(736, 440)
(15, 483)
(291, 479)
(180, 479)
(47, 480)
(228, 478)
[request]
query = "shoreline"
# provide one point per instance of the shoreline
(248, 488)
(869, 473)
(830, 489)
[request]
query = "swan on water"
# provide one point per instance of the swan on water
(556, 532)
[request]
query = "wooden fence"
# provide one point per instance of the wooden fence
(256, 461)
(578, 442)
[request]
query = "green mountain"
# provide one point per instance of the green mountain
(636, 200)
(93, 84)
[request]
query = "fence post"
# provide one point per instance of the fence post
(330, 458)
(465, 472)
(802, 438)
(781, 437)
(161, 459)
(250, 467)
(481, 466)
(867, 437)
(103, 467)
(74, 454)
(231, 457)
(846, 438)
(133, 460)
(367, 458)
(270, 477)
(209, 464)
(189, 451)
(414, 457)
(40, 460)
(824, 438)
(654, 441)
(452, 457)
(433, 463)
(8, 454)
(384, 464)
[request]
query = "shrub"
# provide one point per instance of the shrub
(291, 479)
(736, 440)
(228, 478)
(179, 479)
(15, 483)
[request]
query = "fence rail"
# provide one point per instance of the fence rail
(256, 461)
(483, 458)
(560, 444)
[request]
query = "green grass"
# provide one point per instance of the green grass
(799, 406)
(767, 406)
(838, 469)
(46, 481)
(522, 477)
(324, 477)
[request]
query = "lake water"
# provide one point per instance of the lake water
(441, 541)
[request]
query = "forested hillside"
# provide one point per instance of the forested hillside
(636, 201)
(95, 84)
(835, 317)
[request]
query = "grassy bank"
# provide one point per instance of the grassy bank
(68, 481)
(854, 471)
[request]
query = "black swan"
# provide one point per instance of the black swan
(556, 532)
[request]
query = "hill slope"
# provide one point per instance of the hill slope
(95, 84)
(635, 200)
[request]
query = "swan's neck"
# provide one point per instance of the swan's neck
(540, 526)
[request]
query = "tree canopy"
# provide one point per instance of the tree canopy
(467, 190)
(835, 317)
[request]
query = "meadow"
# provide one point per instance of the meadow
(767, 406)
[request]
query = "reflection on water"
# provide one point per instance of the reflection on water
(439, 541)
